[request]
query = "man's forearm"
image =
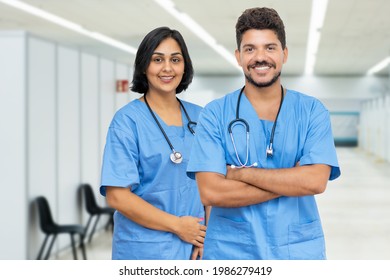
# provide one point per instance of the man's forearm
(216, 190)
(296, 181)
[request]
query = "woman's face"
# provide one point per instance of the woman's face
(166, 67)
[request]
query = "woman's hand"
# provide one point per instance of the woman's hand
(197, 253)
(191, 230)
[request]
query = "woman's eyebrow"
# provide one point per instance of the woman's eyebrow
(175, 53)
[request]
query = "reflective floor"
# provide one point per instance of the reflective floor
(355, 208)
(355, 212)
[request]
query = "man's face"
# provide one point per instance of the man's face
(261, 57)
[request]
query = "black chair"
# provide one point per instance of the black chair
(50, 228)
(94, 209)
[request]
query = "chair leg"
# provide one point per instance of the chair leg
(42, 247)
(93, 229)
(50, 247)
(82, 246)
(73, 246)
(87, 226)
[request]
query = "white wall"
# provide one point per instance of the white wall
(13, 206)
(122, 98)
(374, 130)
(41, 129)
(55, 107)
(68, 136)
(90, 147)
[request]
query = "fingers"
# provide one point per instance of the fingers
(194, 254)
(197, 243)
(192, 231)
(197, 253)
(199, 237)
(200, 254)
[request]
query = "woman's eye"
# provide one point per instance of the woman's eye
(175, 60)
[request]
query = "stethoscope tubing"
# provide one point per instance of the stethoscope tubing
(243, 122)
(176, 156)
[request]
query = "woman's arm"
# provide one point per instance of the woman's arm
(141, 212)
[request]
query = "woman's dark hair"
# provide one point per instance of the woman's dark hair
(144, 55)
(260, 18)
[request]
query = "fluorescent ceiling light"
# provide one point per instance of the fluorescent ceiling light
(69, 25)
(318, 11)
(379, 66)
(198, 30)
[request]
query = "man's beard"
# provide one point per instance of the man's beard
(265, 84)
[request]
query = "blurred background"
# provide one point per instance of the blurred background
(65, 68)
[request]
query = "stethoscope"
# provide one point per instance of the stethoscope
(238, 121)
(175, 156)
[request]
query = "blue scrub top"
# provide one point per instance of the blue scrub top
(137, 155)
(282, 228)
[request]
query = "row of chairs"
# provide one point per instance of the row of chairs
(53, 229)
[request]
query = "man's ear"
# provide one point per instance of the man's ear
(238, 58)
(285, 52)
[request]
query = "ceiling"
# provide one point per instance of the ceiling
(355, 35)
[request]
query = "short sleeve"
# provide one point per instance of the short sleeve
(319, 145)
(207, 153)
(120, 158)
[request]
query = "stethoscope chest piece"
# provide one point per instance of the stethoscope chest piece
(176, 157)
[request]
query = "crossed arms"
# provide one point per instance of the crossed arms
(247, 186)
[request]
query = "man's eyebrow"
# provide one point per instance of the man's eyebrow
(267, 44)
(248, 45)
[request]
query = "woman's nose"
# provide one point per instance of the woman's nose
(167, 66)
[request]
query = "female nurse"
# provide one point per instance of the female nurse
(159, 214)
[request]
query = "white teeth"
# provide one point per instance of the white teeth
(262, 68)
(166, 78)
